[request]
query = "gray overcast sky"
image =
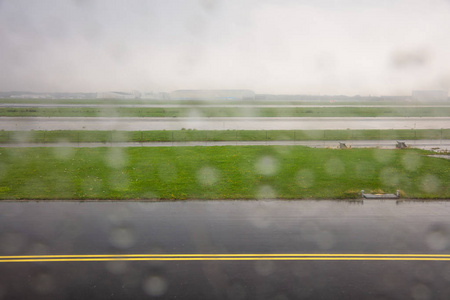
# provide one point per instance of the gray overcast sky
(366, 47)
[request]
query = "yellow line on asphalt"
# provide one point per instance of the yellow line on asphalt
(223, 257)
(231, 259)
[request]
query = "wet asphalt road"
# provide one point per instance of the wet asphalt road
(203, 228)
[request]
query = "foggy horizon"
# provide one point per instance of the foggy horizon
(255, 92)
(367, 48)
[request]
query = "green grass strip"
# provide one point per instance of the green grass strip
(284, 172)
(281, 102)
(219, 135)
(226, 112)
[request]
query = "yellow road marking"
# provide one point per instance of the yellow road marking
(223, 257)
(226, 255)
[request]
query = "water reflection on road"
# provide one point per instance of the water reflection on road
(225, 227)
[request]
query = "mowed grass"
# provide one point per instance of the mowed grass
(226, 112)
(280, 102)
(74, 136)
(253, 172)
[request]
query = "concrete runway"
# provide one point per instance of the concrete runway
(437, 145)
(219, 123)
(70, 105)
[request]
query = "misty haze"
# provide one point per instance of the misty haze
(225, 149)
(271, 47)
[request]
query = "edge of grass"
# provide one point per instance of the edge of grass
(169, 112)
(226, 172)
(73, 136)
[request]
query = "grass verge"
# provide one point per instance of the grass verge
(280, 102)
(225, 112)
(216, 135)
(285, 172)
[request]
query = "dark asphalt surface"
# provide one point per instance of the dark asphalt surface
(225, 227)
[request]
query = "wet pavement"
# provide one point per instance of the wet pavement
(385, 241)
(219, 123)
(436, 145)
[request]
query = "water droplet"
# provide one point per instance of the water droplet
(119, 180)
(236, 291)
(430, 183)
(314, 134)
(43, 284)
(265, 192)
(365, 170)
(207, 176)
(389, 177)
(116, 157)
(63, 153)
(264, 267)
(23, 136)
(3, 291)
(421, 292)
(155, 286)
(122, 237)
(383, 155)
(120, 216)
(325, 240)
(39, 248)
(261, 216)
(305, 178)
(108, 112)
(12, 243)
(411, 161)
(335, 167)
(437, 239)
(117, 267)
(266, 165)
(3, 170)
(446, 273)
(424, 273)
(280, 297)
(194, 120)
